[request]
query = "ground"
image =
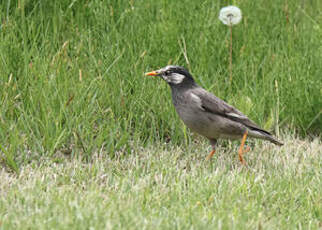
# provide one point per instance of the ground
(164, 187)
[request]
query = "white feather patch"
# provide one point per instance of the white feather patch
(195, 97)
(236, 115)
(197, 100)
(176, 78)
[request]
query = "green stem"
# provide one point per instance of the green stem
(231, 55)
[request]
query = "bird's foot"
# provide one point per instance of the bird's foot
(246, 150)
(241, 159)
(210, 155)
(240, 154)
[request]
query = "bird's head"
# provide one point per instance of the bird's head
(174, 75)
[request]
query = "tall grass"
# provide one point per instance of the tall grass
(71, 73)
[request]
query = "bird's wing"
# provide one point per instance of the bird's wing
(212, 104)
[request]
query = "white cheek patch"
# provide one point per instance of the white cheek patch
(165, 78)
(176, 78)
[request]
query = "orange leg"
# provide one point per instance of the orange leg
(210, 155)
(241, 149)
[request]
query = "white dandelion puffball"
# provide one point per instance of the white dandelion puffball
(230, 15)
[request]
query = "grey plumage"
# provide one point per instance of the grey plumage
(206, 114)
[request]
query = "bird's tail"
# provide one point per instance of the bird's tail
(274, 140)
(262, 134)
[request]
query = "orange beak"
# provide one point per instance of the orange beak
(152, 73)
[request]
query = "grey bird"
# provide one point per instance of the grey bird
(208, 115)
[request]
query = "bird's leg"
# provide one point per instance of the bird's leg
(241, 148)
(213, 145)
(210, 154)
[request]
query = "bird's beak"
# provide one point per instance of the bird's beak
(152, 73)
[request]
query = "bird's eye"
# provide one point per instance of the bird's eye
(168, 72)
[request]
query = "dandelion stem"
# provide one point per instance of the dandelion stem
(231, 54)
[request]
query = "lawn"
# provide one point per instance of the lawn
(87, 141)
(166, 187)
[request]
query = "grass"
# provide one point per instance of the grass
(166, 187)
(72, 73)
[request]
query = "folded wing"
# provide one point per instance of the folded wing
(215, 105)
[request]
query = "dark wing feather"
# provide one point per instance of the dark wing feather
(215, 105)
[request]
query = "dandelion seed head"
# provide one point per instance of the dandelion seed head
(230, 15)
